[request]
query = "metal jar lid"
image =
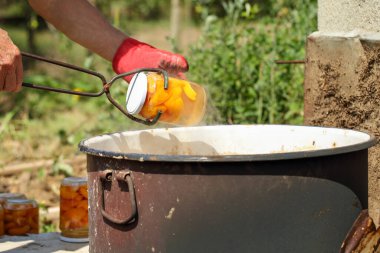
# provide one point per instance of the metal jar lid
(136, 94)
(20, 203)
(74, 181)
(4, 197)
(9, 195)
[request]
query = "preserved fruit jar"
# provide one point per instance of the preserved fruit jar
(7, 195)
(20, 217)
(1, 220)
(182, 103)
(73, 208)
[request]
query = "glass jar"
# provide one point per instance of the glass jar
(7, 195)
(1, 220)
(21, 217)
(183, 103)
(74, 208)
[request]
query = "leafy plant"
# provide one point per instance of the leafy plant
(62, 168)
(48, 227)
(235, 58)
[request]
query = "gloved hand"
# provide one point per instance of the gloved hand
(133, 54)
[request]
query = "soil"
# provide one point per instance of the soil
(347, 95)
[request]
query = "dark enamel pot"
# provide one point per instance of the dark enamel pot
(236, 188)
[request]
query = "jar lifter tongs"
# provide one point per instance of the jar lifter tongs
(106, 86)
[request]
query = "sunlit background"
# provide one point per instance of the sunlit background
(231, 47)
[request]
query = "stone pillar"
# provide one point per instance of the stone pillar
(342, 76)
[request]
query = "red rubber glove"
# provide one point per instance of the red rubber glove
(133, 54)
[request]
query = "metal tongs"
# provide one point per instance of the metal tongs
(106, 86)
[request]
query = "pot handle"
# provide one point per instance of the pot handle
(125, 176)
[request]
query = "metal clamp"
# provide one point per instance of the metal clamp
(105, 85)
(107, 175)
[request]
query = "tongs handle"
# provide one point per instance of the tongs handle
(69, 66)
(105, 85)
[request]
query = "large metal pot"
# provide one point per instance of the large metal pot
(242, 188)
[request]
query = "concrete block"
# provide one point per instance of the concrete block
(342, 89)
(349, 15)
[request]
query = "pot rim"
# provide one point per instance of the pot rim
(371, 141)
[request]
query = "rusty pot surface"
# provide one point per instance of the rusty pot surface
(242, 188)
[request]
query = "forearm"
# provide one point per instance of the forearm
(82, 23)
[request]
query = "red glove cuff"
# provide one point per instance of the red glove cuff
(133, 54)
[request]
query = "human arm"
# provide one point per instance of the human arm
(84, 24)
(10, 64)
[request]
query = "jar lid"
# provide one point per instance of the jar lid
(20, 201)
(136, 94)
(9, 195)
(74, 180)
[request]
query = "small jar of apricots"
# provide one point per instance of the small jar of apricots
(74, 209)
(20, 217)
(182, 103)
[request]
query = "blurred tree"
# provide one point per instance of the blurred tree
(135, 9)
(175, 21)
(188, 6)
(18, 13)
(31, 26)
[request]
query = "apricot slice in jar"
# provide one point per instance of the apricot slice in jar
(68, 192)
(83, 204)
(10, 225)
(155, 81)
(189, 92)
(159, 97)
(75, 214)
(150, 112)
(21, 221)
(66, 204)
(83, 191)
(8, 217)
(19, 212)
(174, 108)
(176, 92)
(78, 197)
(19, 230)
(174, 105)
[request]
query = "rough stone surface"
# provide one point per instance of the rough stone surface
(348, 15)
(40, 243)
(342, 89)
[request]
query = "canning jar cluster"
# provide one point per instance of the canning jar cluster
(20, 216)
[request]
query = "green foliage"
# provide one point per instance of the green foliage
(235, 58)
(62, 168)
(48, 227)
(6, 122)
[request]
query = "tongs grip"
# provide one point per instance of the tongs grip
(105, 85)
(69, 66)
